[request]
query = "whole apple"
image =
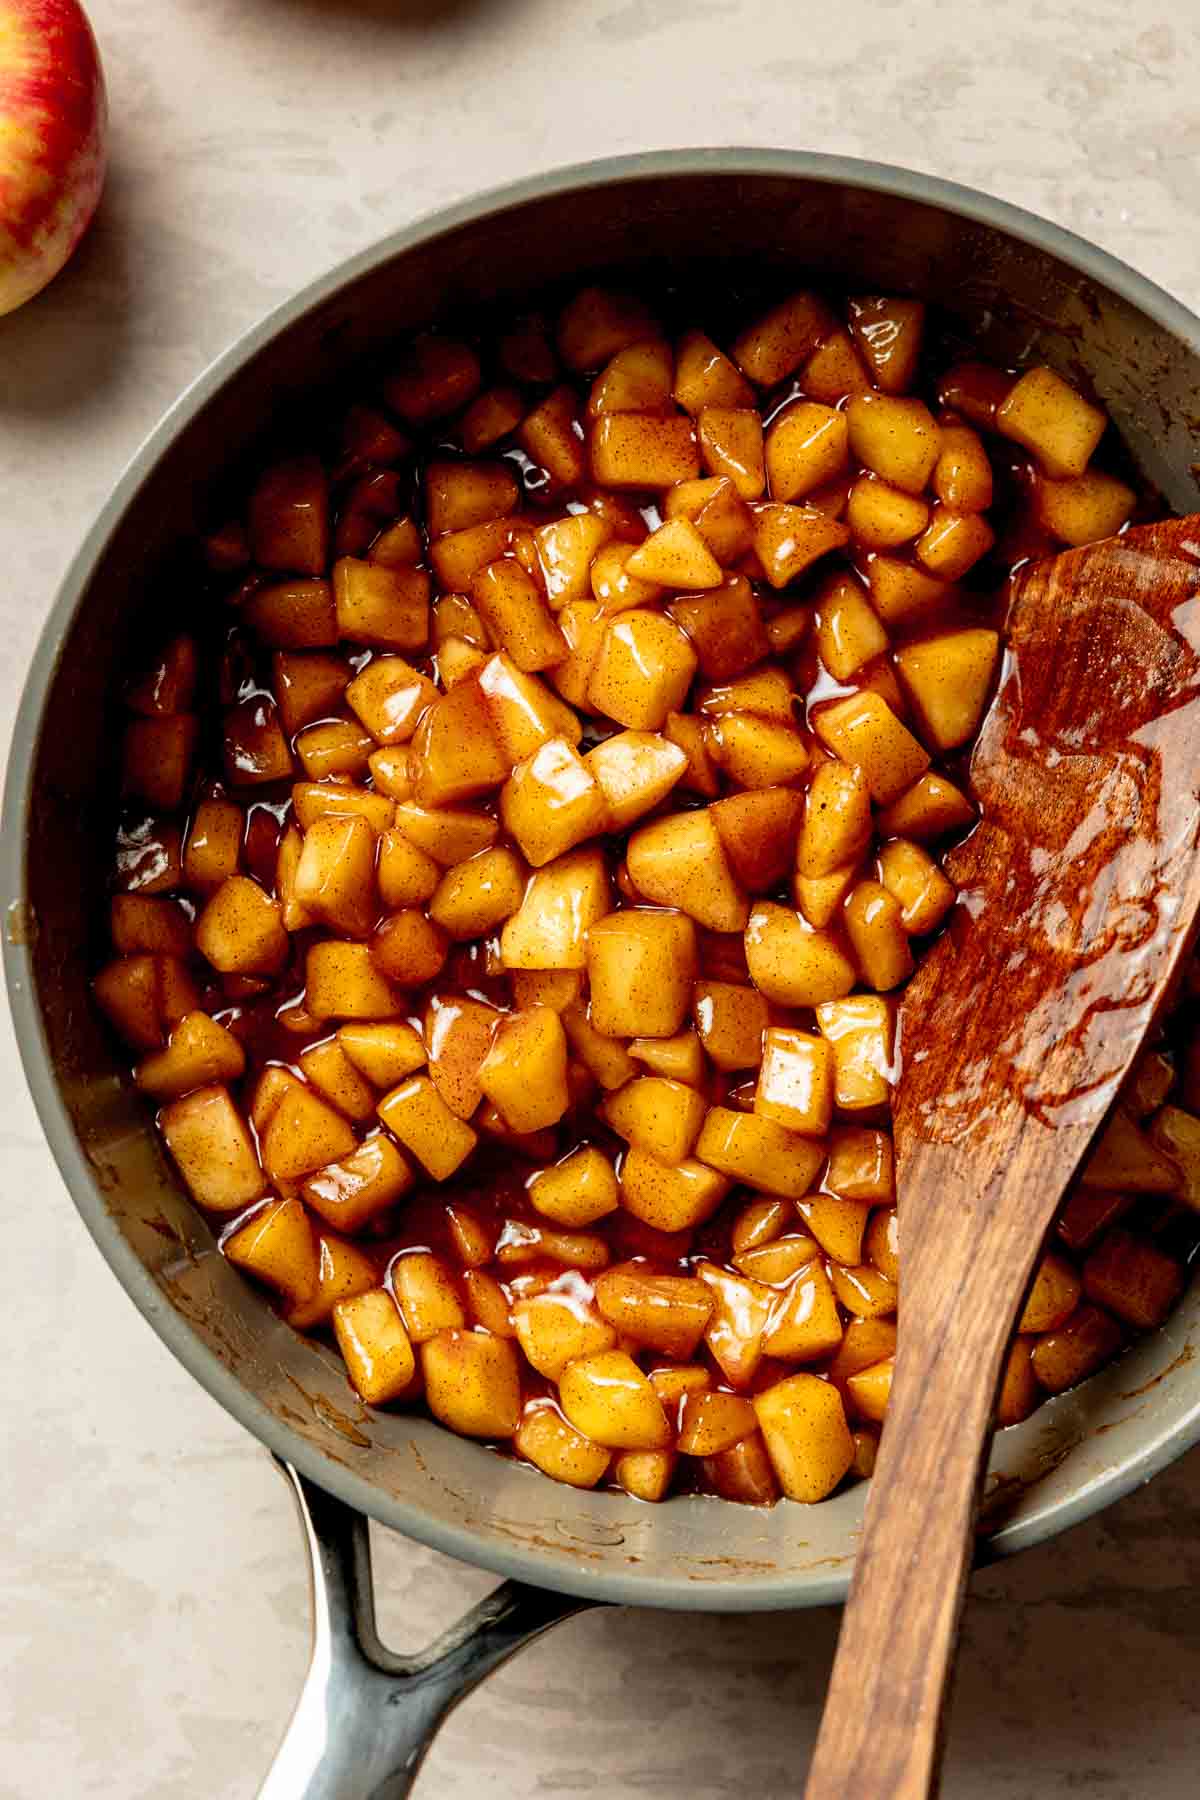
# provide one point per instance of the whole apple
(53, 121)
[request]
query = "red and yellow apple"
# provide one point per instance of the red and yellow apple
(53, 121)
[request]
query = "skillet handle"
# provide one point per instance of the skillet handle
(365, 1716)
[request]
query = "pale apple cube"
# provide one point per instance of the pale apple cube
(1050, 417)
(837, 820)
(607, 1397)
(477, 895)
(524, 1074)
(928, 810)
(634, 770)
(386, 608)
(240, 931)
(614, 587)
(670, 1199)
(405, 876)
(426, 1294)
(562, 903)
(758, 753)
(948, 678)
(731, 444)
(342, 982)
(808, 1440)
(741, 1311)
(660, 1116)
(551, 802)
(389, 696)
(576, 1191)
(796, 1081)
(522, 711)
(445, 834)
(555, 1328)
(643, 450)
(408, 948)
(458, 1034)
(348, 1194)
(758, 1152)
(374, 1345)
(606, 1059)
(864, 731)
(557, 1449)
(473, 1383)
(915, 882)
(328, 1069)
(343, 1271)
(730, 1020)
(335, 875)
(415, 1113)
(882, 517)
(460, 494)
(862, 1030)
(1088, 507)
(888, 333)
(551, 437)
(953, 542)
(705, 376)
(313, 800)
(898, 439)
(789, 539)
(455, 755)
(875, 927)
(199, 1053)
(643, 670)
(903, 594)
(667, 1313)
(303, 1133)
(213, 846)
(641, 966)
(775, 345)
(679, 861)
(805, 1324)
(792, 963)
(213, 1149)
(514, 611)
(675, 556)
(278, 1246)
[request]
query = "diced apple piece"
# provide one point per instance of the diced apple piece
(398, 547)
(351, 1192)
(869, 1390)
(1178, 1134)
(637, 379)
(156, 759)
(409, 948)
(1050, 417)
(882, 517)
(461, 494)
(864, 732)
(1053, 1296)
(293, 615)
(522, 711)
(918, 886)
(731, 444)
(902, 593)
(806, 447)
(758, 832)
(634, 770)
(473, 1383)
(576, 1191)
(766, 692)
(455, 755)
(328, 1069)
(209, 1141)
(342, 982)
(704, 376)
(390, 697)
(643, 450)
(146, 923)
(557, 988)
(289, 517)
(606, 1396)
(898, 439)
(641, 966)
(686, 731)
(343, 1272)
(458, 1034)
(385, 1054)
(491, 416)
(953, 542)
(445, 835)
(929, 809)
(837, 820)
(791, 963)
(613, 587)
(596, 324)
(861, 1165)
(834, 371)
(551, 802)
(279, 1247)
(416, 1113)
(775, 1263)
(796, 1081)
(775, 345)
(426, 1294)
(435, 377)
(240, 930)
(659, 1116)
(888, 334)
(199, 1053)
(875, 927)
(335, 875)
(563, 901)
(477, 895)
(1088, 507)
(756, 752)
(948, 678)
(461, 554)
(849, 633)
(334, 748)
(675, 556)
(741, 1310)
(837, 1224)
(862, 1032)
(313, 800)
(214, 844)
(642, 671)
(556, 1329)
(743, 1473)
(557, 1449)
(679, 861)
(724, 627)
(515, 613)
(808, 1440)
(759, 1153)
(1088, 1340)
(670, 1199)
(303, 1133)
(789, 539)
(712, 1422)
(731, 1021)
(805, 1325)
(405, 875)
(551, 436)
(385, 607)
(1133, 1279)
(667, 1313)
(525, 1071)
(374, 1344)
(254, 749)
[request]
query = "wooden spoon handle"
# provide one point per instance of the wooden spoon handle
(881, 1733)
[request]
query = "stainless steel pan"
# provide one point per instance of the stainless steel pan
(1019, 284)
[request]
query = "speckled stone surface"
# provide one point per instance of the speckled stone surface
(153, 1629)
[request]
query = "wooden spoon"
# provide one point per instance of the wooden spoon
(1078, 891)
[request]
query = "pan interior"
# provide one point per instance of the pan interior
(710, 219)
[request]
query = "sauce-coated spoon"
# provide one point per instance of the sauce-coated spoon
(1078, 892)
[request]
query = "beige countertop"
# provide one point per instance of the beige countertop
(154, 1626)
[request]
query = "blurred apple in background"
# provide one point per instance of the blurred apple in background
(52, 140)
